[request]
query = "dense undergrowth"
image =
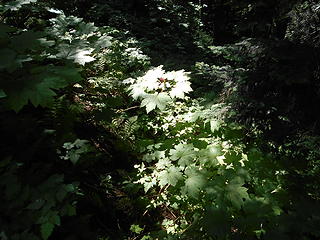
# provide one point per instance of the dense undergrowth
(160, 120)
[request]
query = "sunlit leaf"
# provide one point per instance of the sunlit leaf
(103, 42)
(156, 100)
(86, 28)
(193, 184)
(136, 228)
(170, 176)
(215, 125)
(184, 153)
(78, 55)
(180, 89)
(137, 91)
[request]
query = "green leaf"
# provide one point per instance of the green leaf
(184, 153)
(16, 5)
(137, 91)
(103, 42)
(80, 142)
(55, 219)
(86, 28)
(39, 85)
(156, 100)
(258, 207)
(215, 125)
(236, 193)
(70, 187)
(75, 53)
(136, 228)
(217, 222)
(27, 40)
(61, 24)
(53, 180)
(194, 183)
(68, 210)
(200, 144)
(170, 176)
(8, 59)
(46, 230)
(45, 42)
(35, 205)
(211, 155)
(61, 194)
(2, 94)
(74, 157)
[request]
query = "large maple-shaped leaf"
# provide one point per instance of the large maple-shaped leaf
(86, 28)
(78, 55)
(38, 86)
(211, 155)
(170, 176)
(61, 24)
(184, 153)
(156, 100)
(180, 89)
(103, 42)
(137, 91)
(46, 230)
(236, 193)
(194, 183)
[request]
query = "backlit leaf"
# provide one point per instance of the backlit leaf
(180, 89)
(156, 100)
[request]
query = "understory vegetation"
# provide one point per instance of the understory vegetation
(159, 120)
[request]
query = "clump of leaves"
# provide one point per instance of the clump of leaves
(68, 40)
(158, 88)
(74, 150)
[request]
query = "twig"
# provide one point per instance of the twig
(127, 109)
(171, 212)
